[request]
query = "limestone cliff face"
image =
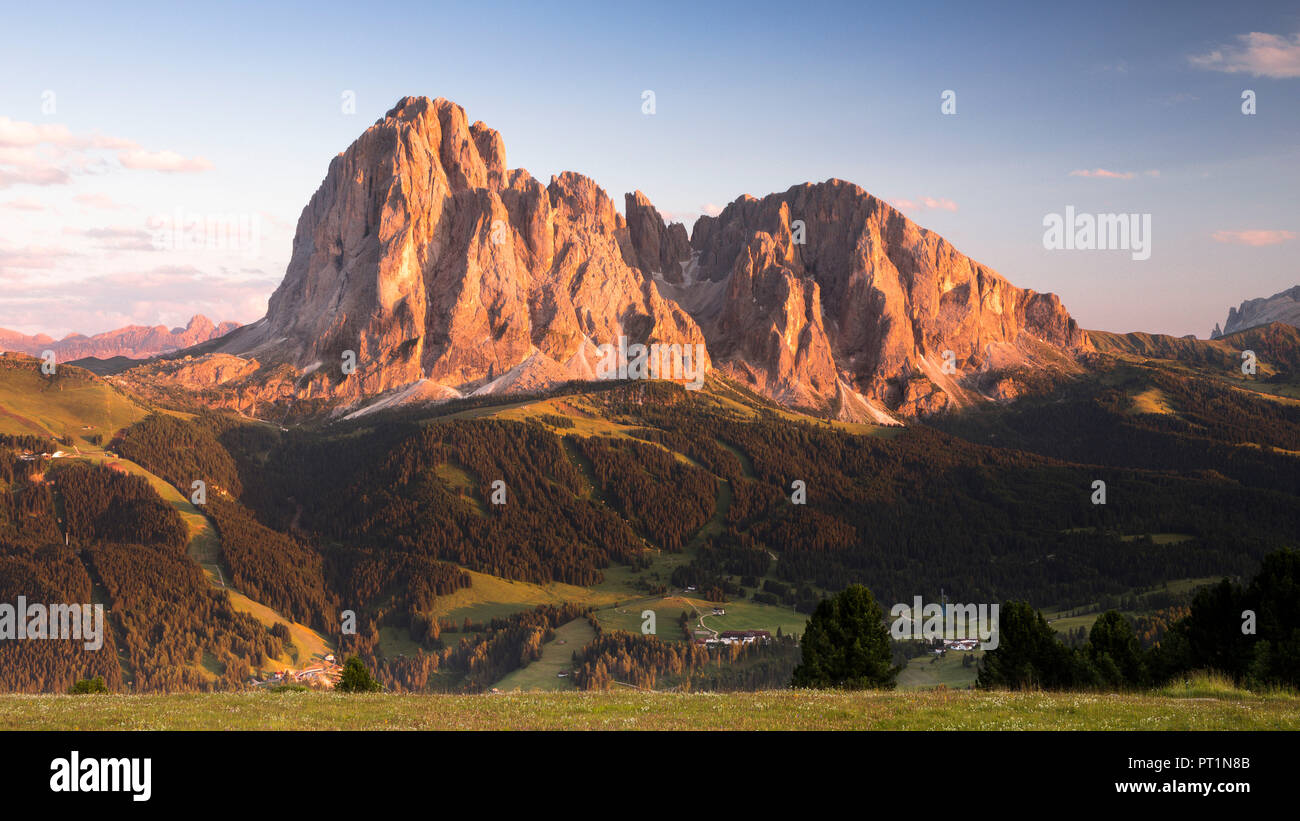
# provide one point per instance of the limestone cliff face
(658, 248)
(427, 257)
(448, 273)
(1283, 306)
(829, 288)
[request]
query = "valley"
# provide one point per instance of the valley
(731, 453)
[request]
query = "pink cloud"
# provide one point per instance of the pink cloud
(30, 257)
(166, 161)
(102, 201)
(1256, 237)
(47, 175)
(925, 204)
(22, 204)
(1104, 174)
(18, 133)
(167, 296)
(1258, 54)
(49, 154)
(119, 238)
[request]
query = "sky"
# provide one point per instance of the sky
(117, 124)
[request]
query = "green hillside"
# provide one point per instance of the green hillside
(623, 498)
(73, 404)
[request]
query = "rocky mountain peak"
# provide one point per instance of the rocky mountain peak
(429, 259)
(436, 264)
(831, 289)
(659, 248)
(1284, 306)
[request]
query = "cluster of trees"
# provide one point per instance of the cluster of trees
(35, 564)
(1250, 632)
(663, 497)
(482, 654)
(1094, 423)
(509, 644)
(385, 489)
(27, 516)
(273, 567)
(707, 452)
(649, 663)
(50, 574)
(11, 466)
(171, 623)
(364, 577)
(166, 629)
(103, 505)
(181, 451)
(925, 509)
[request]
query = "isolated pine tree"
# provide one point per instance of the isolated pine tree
(846, 645)
(356, 678)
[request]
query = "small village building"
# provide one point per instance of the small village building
(744, 636)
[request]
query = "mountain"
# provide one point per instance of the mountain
(133, 341)
(427, 257)
(824, 294)
(445, 273)
(1283, 306)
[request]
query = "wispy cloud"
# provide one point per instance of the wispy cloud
(1103, 174)
(119, 238)
(24, 204)
(166, 161)
(40, 175)
(101, 201)
(16, 133)
(30, 257)
(43, 154)
(167, 295)
(925, 204)
(1258, 54)
(1254, 237)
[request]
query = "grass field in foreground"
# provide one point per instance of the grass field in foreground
(630, 710)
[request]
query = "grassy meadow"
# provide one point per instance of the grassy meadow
(1196, 706)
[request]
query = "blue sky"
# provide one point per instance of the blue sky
(237, 109)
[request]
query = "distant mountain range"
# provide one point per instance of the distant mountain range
(1283, 306)
(448, 274)
(132, 342)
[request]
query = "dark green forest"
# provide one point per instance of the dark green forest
(382, 516)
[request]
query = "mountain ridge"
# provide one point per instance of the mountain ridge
(130, 341)
(423, 257)
(1284, 306)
